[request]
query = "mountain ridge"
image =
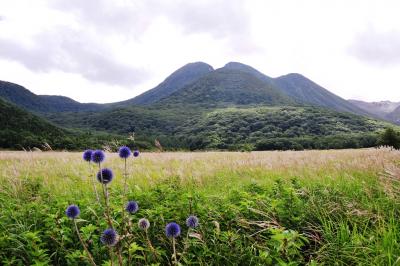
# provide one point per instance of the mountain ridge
(175, 81)
(226, 87)
(27, 100)
(386, 110)
(234, 83)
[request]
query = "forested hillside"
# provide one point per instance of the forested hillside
(235, 107)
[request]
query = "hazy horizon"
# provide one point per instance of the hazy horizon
(102, 51)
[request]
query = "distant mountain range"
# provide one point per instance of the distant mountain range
(24, 98)
(190, 98)
(385, 109)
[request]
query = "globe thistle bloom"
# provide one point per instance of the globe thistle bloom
(132, 207)
(144, 224)
(72, 211)
(192, 221)
(136, 153)
(109, 237)
(172, 230)
(106, 174)
(98, 156)
(124, 152)
(87, 155)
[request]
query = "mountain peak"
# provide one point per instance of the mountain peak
(177, 80)
(241, 66)
(192, 67)
(198, 64)
(296, 76)
(248, 69)
(234, 64)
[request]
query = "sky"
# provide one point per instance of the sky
(106, 51)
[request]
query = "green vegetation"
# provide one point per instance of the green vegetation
(236, 128)
(280, 128)
(197, 128)
(197, 108)
(23, 130)
(262, 208)
(226, 87)
(390, 138)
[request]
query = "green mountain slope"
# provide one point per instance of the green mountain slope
(306, 91)
(177, 80)
(24, 98)
(22, 129)
(263, 128)
(193, 127)
(226, 87)
(301, 90)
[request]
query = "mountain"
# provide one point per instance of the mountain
(384, 109)
(226, 87)
(266, 128)
(197, 107)
(306, 91)
(24, 98)
(249, 70)
(22, 129)
(177, 80)
(301, 90)
(380, 109)
(395, 115)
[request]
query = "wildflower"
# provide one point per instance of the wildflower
(72, 211)
(172, 230)
(87, 155)
(136, 153)
(144, 224)
(109, 237)
(132, 207)
(124, 152)
(98, 156)
(192, 221)
(105, 175)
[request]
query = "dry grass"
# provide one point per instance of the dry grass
(203, 168)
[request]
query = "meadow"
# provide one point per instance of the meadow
(337, 207)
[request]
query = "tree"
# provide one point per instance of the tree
(390, 138)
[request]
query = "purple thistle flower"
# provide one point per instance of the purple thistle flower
(87, 155)
(124, 152)
(144, 224)
(109, 237)
(136, 153)
(106, 174)
(192, 221)
(132, 207)
(72, 211)
(172, 230)
(98, 156)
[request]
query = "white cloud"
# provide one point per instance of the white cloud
(98, 50)
(381, 48)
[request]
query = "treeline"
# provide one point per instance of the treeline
(193, 128)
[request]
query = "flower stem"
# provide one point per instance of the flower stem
(149, 244)
(94, 184)
(111, 256)
(84, 245)
(174, 249)
(124, 198)
(106, 202)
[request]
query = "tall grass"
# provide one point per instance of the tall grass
(258, 208)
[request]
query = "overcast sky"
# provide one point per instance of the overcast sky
(105, 51)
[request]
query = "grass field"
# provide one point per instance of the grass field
(260, 208)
